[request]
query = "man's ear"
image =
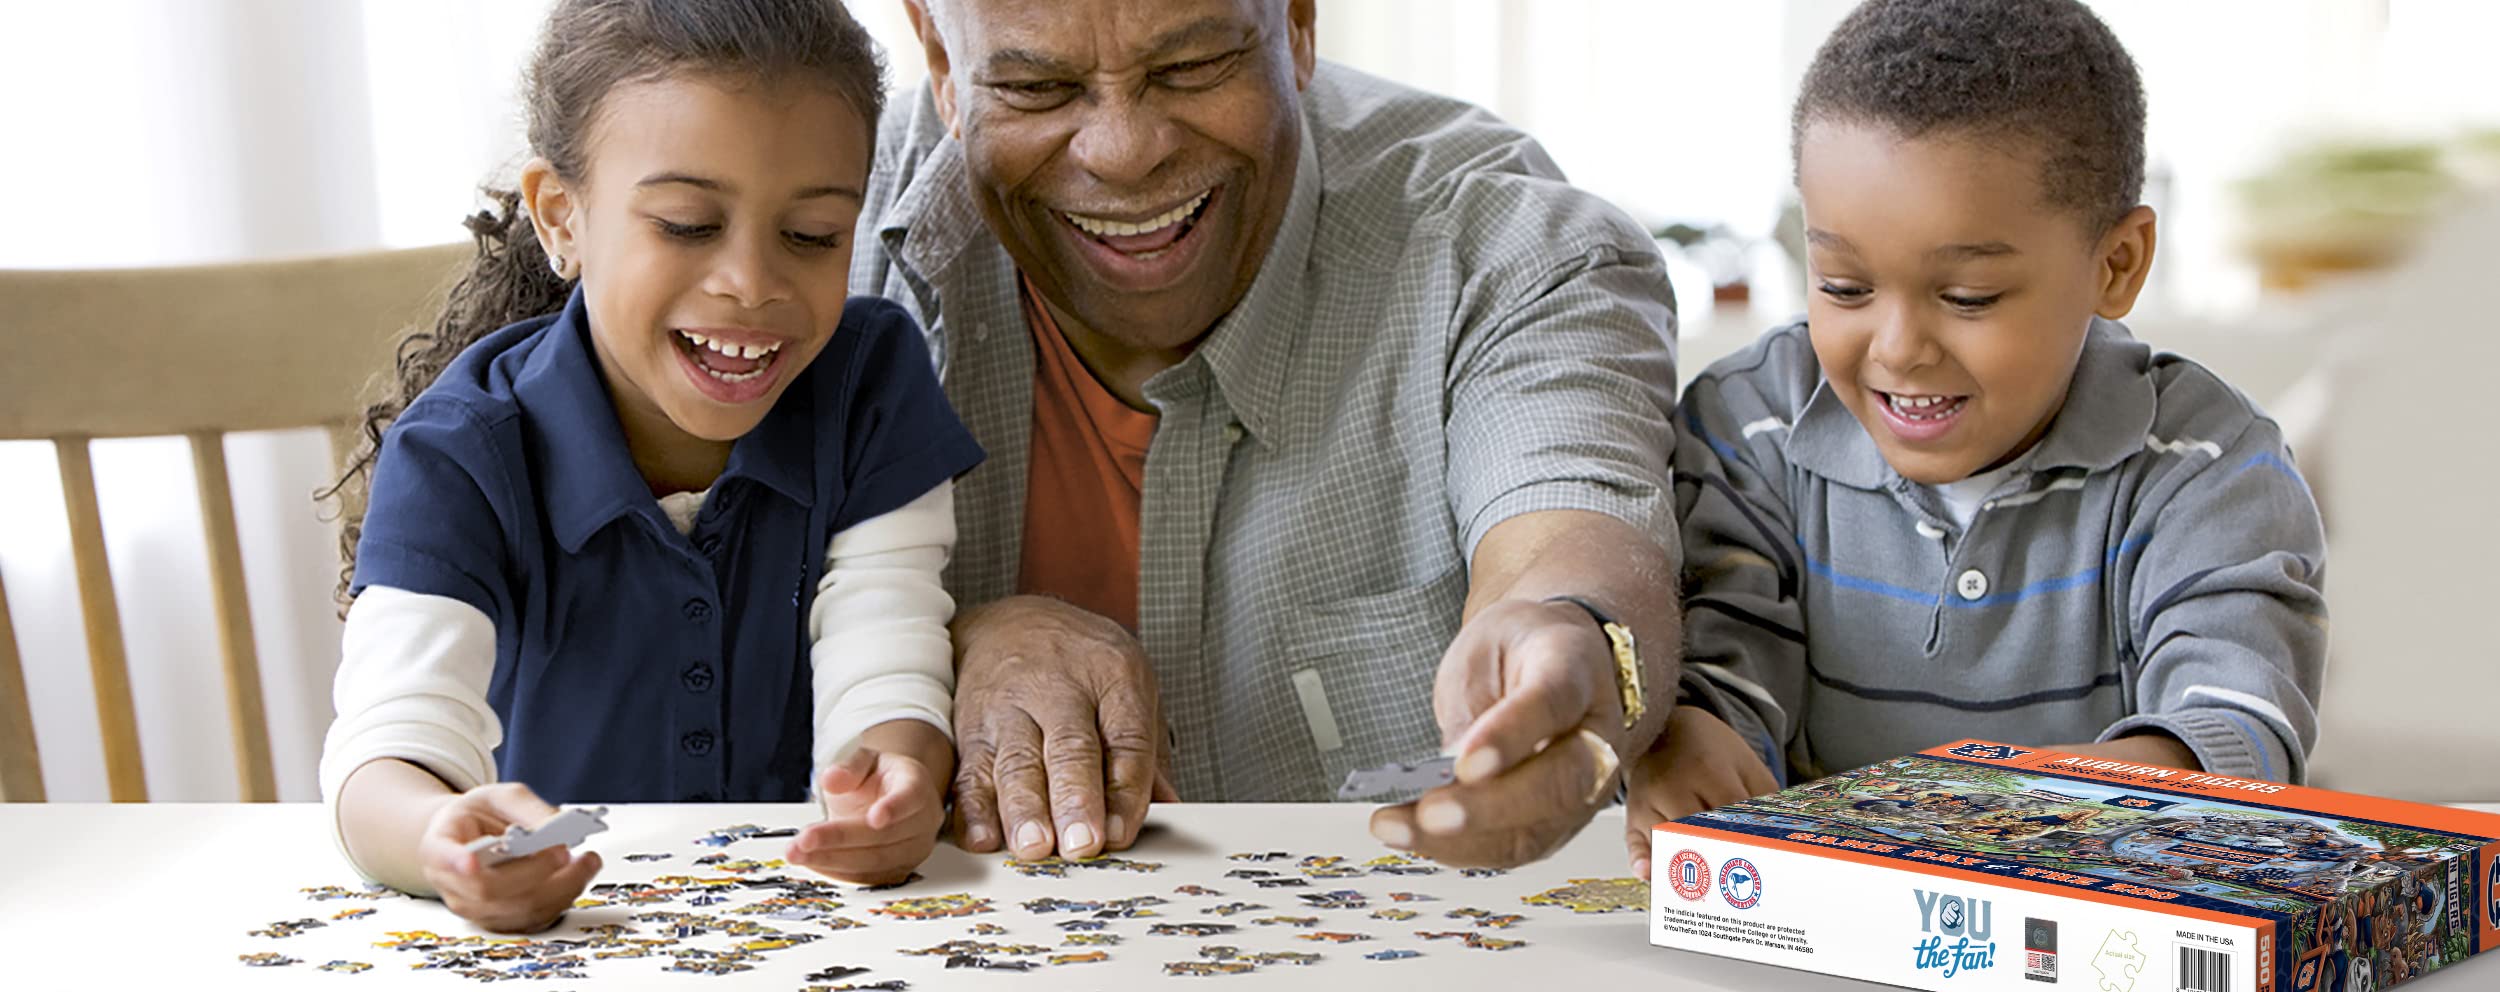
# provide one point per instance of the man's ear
(555, 213)
(1301, 28)
(924, 23)
(2122, 261)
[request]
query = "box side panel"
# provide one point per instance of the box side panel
(1901, 925)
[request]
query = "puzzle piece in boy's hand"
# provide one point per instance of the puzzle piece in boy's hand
(1596, 895)
(568, 827)
(1399, 776)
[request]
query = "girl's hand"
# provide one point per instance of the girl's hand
(524, 895)
(1699, 763)
(882, 814)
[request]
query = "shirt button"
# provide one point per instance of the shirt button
(1232, 433)
(698, 743)
(698, 610)
(697, 677)
(1971, 585)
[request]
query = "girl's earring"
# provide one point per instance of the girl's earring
(556, 264)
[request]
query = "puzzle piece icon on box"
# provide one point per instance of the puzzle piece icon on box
(568, 827)
(2120, 962)
(1399, 777)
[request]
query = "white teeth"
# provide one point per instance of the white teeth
(1101, 228)
(1923, 407)
(727, 349)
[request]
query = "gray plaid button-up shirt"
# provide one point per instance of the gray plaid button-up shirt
(1444, 335)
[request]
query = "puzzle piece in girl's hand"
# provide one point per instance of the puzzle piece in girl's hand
(1399, 777)
(568, 827)
(1596, 895)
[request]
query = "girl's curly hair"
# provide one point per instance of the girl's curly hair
(587, 49)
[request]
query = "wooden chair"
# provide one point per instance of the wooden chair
(192, 351)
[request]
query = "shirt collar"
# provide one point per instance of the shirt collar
(2108, 412)
(1251, 349)
(587, 477)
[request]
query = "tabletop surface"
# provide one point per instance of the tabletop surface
(168, 894)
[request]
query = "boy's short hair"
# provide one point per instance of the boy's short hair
(2046, 71)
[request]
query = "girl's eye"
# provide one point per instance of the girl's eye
(815, 241)
(1972, 302)
(685, 232)
(1844, 294)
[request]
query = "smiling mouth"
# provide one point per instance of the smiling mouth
(727, 361)
(1146, 239)
(1920, 409)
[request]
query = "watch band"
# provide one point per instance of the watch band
(1628, 676)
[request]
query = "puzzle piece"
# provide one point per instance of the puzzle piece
(1399, 777)
(1394, 954)
(935, 907)
(1596, 895)
(2120, 961)
(568, 827)
(1086, 957)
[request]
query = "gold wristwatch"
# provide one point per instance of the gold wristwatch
(1628, 678)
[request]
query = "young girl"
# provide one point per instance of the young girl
(673, 532)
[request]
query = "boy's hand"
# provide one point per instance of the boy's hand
(2148, 748)
(1699, 763)
(882, 814)
(524, 895)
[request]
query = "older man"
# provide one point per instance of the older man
(1327, 427)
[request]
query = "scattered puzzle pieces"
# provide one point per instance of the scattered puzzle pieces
(1596, 895)
(935, 907)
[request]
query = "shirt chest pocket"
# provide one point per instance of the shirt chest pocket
(1359, 671)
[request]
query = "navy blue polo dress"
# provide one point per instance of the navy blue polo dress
(634, 663)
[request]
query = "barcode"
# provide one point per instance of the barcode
(2204, 971)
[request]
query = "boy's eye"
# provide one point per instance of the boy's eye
(1198, 74)
(685, 232)
(1038, 95)
(1960, 302)
(815, 241)
(1844, 294)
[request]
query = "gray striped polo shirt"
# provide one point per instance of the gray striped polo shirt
(2158, 562)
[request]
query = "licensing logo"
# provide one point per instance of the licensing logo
(2040, 950)
(1988, 752)
(1740, 883)
(1689, 875)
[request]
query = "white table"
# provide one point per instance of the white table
(162, 895)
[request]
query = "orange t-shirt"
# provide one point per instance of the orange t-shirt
(1085, 481)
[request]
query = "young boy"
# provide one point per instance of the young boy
(1960, 500)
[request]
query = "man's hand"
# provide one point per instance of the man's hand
(1058, 730)
(524, 895)
(1526, 699)
(1699, 763)
(884, 803)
